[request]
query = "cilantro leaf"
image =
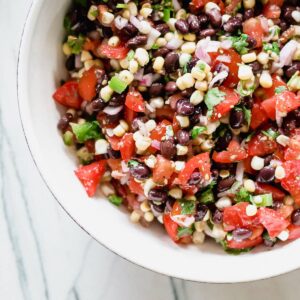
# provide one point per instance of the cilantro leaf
(240, 44)
(280, 89)
(247, 114)
(184, 231)
(242, 195)
(213, 97)
(76, 44)
(187, 207)
(197, 130)
(86, 131)
(116, 200)
(274, 47)
(233, 251)
(132, 163)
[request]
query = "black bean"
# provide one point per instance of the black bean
(233, 24)
(184, 107)
(137, 41)
(223, 141)
(171, 87)
(156, 89)
(158, 195)
(215, 17)
(267, 159)
(70, 62)
(268, 242)
(236, 118)
(241, 234)
(283, 26)
(296, 217)
(218, 217)
(135, 125)
(192, 63)
(225, 184)
(117, 100)
(113, 153)
(140, 171)
(248, 14)
(248, 102)
(161, 52)
(290, 71)
(195, 178)
(167, 148)
(194, 23)
(127, 32)
(182, 26)
(113, 119)
(159, 208)
(287, 14)
(256, 67)
(266, 174)
(107, 32)
(251, 42)
(207, 32)
(201, 211)
(203, 20)
(98, 104)
(171, 62)
(183, 136)
(162, 28)
(64, 121)
(187, 92)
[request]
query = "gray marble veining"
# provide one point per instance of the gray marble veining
(43, 254)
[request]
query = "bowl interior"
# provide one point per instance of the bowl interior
(41, 67)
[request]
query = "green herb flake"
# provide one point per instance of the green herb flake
(85, 156)
(185, 69)
(202, 66)
(122, 5)
(213, 97)
(207, 196)
(184, 231)
(68, 138)
(118, 85)
(132, 163)
(116, 200)
(187, 207)
(280, 89)
(247, 114)
(240, 44)
(95, 13)
(270, 133)
(242, 195)
(233, 251)
(155, 47)
(274, 47)
(197, 130)
(130, 55)
(244, 92)
(262, 200)
(167, 14)
(76, 44)
(86, 131)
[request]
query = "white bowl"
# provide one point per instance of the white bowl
(40, 69)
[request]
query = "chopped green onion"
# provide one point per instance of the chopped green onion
(233, 251)
(201, 65)
(154, 47)
(95, 13)
(184, 231)
(247, 114)
(122, 5)
(274, 47)
(262, 200)
(86, 131)
(116, 200)
(117, 84)
(68, 138)
(270, 133)
(197, 130)
(240, 44)
(167, 14)
(294, 82)
(242, 195)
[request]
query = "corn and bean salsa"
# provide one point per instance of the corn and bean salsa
(187, 113)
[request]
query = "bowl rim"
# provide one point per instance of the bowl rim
(32, 14)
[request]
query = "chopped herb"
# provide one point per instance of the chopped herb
(76, 44)
(233, 251)
(274, 47)
(184, 231)
(197, 130)
(81, 2)
(116, 200)
(68, 24)
(154, 47)
(247, 114)
(270, 133)
(86, 131)
(262, 200)
(213, 97)
(130, 55)
(201, 65)
(167, 14)
(95, 13)
(118, 85)
(207, 196)
(132, 163)
(187, 207)
(240, 44)
(242, 195)
(68, 138)
(167, 78)
(280, 89)
(122, 5)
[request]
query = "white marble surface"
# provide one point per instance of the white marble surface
(44, 254)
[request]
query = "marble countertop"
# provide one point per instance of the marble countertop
(44, 254)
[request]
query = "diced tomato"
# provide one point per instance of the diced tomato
(234, 59)
(247, 165)
(233, 153)
(135, 187)
(233, 6)
(264, 188)
(114, 164)
(253, 28)
(261, 145)
(201, 162)
(90, 176)
(270, 92)
(160, 131)
(285, 210)
(287, 101)
(276, 2)
(235, 217)
(291, 181)
(269, 107)
(292, 151)
(111, 52)
(134, 101)
(67, 95)
(129, 115)
(258, 116)
(114, 142)
(163, 169)
(244, 244)
(231, 99)
(87, 84)
(166, 112)
(256, 231)
(272, 220)
(271, 11)
(294, 232)
(90, 45)
(127, 146)
(171, 227)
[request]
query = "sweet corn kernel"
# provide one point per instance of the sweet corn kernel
(106, 93)
(101, 146)
(190, 37)
(150, 161)
(248, 4)
(145, 206)
(263, 58)
(201, 86)
(142, 56)
(197, 97)
(283, 140)
(126, 76)
(184, 121)
(133, 66)
(251, 210)
(161, 42)
(135, 217)
(245, 72)
(145, 27)
(188, 47)
(131, 6)
(198, 237)
(249, 185)
(143, 144)
(223, 203)
(199, 226)
(279, 172)
(146, 12)
(119, 131)
(249, 57)
(92, 13)
(66, 49)
(283, 235)
(175, 193)
(288, 200)
(265, 80)
(158, 63)
(181, 150)
(114, 41)
(107, 18)
(148, 216)
(124, 125)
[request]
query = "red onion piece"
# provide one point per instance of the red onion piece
(139, 74)
(224, 58)
(202, 54)
(152, 36)
(112, 110)
(135, 22)
(120, 22)
(176, 5)
(226, 44)
(239, 174)
(156, 144)
(78, 62)
(287, 53)
(220, 76)
(174, 44)
(264, 24)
